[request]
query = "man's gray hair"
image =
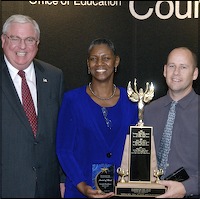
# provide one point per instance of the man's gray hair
(18, 18)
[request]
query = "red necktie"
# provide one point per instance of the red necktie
(28, 104)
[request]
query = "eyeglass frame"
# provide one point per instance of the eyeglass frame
(18, 40)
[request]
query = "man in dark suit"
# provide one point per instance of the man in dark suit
(29, 165)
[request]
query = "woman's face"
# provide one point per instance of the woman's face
(101, 62)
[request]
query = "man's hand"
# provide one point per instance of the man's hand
(174, 189)
(62, 189)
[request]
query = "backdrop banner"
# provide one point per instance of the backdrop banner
(144, 32)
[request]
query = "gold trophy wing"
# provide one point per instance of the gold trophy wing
(149, 94)
(133, 96)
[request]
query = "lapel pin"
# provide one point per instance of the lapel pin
(45, 80)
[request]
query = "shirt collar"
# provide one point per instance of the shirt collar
(187, 99)
(182, 102)
(30, 73)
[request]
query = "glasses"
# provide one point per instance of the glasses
(29, 41)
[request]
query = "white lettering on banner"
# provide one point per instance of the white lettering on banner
(44, 2)
(78, 3)
(64, 3)
(173, 6)
(97, 3)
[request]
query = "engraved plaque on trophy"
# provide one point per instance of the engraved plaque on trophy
(138, 174)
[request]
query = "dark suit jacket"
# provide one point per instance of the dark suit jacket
(27, 162)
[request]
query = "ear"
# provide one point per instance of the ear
(164, 70)
(88, 67)
(87, 62)
(2, 40)
(117, 61)
(195, 74)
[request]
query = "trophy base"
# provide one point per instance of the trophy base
(142, 189)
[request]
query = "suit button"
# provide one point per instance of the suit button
(109, 155)
(34, 168)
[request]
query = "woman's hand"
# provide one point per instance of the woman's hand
(92, 193)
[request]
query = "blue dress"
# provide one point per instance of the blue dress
(89, 134)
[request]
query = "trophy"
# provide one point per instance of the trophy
(138, 174)
(103, 177)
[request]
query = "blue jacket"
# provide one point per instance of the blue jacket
(83, 138)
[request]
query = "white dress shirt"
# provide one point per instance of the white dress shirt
(17, 80)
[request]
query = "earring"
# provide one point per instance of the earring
(88, 71)
(115, 69)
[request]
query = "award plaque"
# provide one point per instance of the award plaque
(103, 177)
(138, 174)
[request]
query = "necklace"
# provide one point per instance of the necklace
(101, 98)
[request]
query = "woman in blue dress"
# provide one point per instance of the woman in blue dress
(93, 123)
